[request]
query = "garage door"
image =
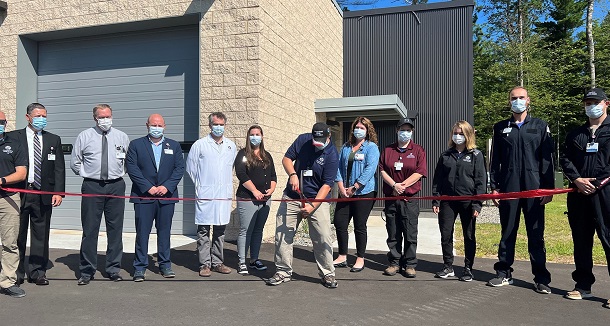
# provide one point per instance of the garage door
(137, 74)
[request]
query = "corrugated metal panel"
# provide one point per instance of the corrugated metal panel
(424, 56)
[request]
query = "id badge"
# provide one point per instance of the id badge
(51, 157)
(171, 151)
(120, 155)
(359, 157)
(592, 147)
(507, 130)
(398, 166)
(308, 173)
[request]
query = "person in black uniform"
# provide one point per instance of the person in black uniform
(586, 163)
(460, 171)
(521, 159)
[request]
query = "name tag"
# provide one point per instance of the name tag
(120, 155)
(171, 151)
(592, 147)
(308, 173)
(398, 166)
(359, 157)
(507, 130)
(51, 157)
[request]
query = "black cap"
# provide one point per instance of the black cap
(405, 121)
(595, 94)
(320, 132)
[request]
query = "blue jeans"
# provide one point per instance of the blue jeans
(252, 219)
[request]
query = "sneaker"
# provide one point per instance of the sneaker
(258, 265)
(115, 277)
(391, 270)
(578, 294)
(410, 272)
(607, 304)
(13, 291)
(167, 273)
(466, 275)
(329, 281)
(445, 273)
(222, 269)
(242, 269)
(500, 280)
(139, 276)
(205, 271)
(542, 288)
(278, 279)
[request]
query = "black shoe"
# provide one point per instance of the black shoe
(329, 281)
(139, 276)
(84, 279)
(13, 291)
(356, 269)
(342, 264)
(467, 275)
(115, 277)
(42, 280)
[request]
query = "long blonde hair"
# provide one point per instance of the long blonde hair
(468, 131)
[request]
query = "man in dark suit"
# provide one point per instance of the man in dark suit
(46, 172)
(155, 166)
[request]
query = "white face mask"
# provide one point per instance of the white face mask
(104, 123)
(458, 139)
(404, 136)
(518, 105)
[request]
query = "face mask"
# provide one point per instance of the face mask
(218, 130)
(458, 139)
(104, 123)
(518, 105)
(594, 111)
(320, 146)
(256, 140)
(1, 129)
(39, 123)
(359, 133)
(404, 136)
(155, 132)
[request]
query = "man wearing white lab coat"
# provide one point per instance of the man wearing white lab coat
(210, 166)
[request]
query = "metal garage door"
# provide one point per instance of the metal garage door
(137, 73)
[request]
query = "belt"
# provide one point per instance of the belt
(104, 181)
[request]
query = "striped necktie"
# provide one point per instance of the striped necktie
(37, 162)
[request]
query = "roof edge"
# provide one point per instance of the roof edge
(401, 9)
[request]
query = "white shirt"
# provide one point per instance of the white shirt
(87, 153)
(30, 136)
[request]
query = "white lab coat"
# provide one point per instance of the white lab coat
(210, 166)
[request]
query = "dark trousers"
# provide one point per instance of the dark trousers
(161, 214)
(37, 216)
(447, 215)
(401, 223)
(360, 211)
(533, 214)
(91, 218)
(586, 215)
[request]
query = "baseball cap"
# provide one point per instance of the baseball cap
(405, 121)
(320, 132)
(595, 94)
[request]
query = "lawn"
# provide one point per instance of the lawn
(559, 246)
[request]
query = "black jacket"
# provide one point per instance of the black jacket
(463, 176)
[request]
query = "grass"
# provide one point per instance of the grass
(558, 237)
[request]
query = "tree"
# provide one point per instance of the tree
(590, 43)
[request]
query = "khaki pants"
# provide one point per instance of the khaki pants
(9, 231)
(287, 222)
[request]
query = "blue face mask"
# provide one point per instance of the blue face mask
(155, 132)
(1, 129)
(518, 105)
(39, 123)
(594, 111)
(359, 133)
(404, 136)
(256, 140)
(218, 130)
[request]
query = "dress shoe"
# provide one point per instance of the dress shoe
(84, 279)
(342, 264)
(356, 269)
(42, 280)
(222, 269)
(115, 277)
(205, 271)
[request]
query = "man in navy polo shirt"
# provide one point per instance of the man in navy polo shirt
(311, 163)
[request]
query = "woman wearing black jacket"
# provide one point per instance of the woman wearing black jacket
(460, 171)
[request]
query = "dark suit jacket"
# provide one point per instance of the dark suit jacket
(53, 176)
(143, 173)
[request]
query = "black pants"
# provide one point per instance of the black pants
(91, 218)
(37, 216)
(533, 214)
(447, 214)
(401, 223)
(586, 215)
(360, 211)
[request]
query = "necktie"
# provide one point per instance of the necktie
(104, 175)
(37, 162)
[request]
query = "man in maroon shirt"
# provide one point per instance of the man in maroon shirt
(402, 165)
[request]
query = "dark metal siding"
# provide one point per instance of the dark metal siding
(423, 53)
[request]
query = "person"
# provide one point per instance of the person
(210, 166)
(521, 159)
(98, 156)
(257, 180)
(460, 171)
(585, 162)
(311, 163)
(402, 166)
(155, 166)
(13, 169)
(358, 161)
(46, 172)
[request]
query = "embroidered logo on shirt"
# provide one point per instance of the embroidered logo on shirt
(320, 160)
(8, 150)
(410, 155)
(467, 159)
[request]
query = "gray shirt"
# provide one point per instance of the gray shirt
(87, 153)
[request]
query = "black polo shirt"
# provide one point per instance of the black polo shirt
(11, 155)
